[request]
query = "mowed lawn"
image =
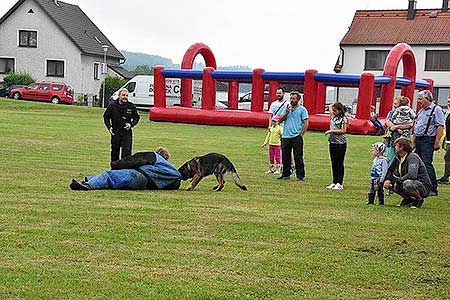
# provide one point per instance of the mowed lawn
(279, 240)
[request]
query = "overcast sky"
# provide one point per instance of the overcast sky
(283, 35)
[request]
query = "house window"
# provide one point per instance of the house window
(27, 38)
(96, 73)
(55, 68)
(437, 60)
(6, 65)
(375, 59)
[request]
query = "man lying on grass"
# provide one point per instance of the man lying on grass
(141, 171)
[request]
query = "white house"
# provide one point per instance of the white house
(56, 41)
(373, 33)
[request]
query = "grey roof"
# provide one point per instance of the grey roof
(77, 26)
(121, 71)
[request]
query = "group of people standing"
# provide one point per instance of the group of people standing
(395, 166)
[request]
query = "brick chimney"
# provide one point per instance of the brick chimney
(411, 9)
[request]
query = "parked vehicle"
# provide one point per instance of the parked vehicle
(4, 92)
(244, 102)
(141, 91)
(54, 92)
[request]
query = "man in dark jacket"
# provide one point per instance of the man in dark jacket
(407, 175)
(119, 117)
(141, 171)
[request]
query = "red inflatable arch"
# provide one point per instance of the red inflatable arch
(315, 85)
(400, 52)
(188, 63)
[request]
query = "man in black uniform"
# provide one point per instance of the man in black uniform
(119, 118)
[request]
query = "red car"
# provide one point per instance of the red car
(54, 92)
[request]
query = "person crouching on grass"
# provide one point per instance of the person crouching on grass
(407, 175)
(378, 171)
(273, 138)
(338, 144)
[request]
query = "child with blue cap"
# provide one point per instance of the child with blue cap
(378, 172)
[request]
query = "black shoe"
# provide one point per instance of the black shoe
(406, 202)
(443, 180)
(433, 193)
(284, 177)
(77, 185)
(418, 203)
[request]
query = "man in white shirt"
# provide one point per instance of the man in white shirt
(277, 106)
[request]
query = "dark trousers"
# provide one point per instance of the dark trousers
(118, 141)
(294, 145)
(425, 150)
(337, 155)
(376, 188)
(447, 163)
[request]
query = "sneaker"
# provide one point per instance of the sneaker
(433, 193)
(443, 180)
(278, 171)
(331, 186)
(284, 177)
(77, 185)
(269, 172)
(338, 186)
(300, 178)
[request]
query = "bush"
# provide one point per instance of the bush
(18, 78)
(113, 83)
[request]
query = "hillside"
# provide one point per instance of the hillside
(134, 59)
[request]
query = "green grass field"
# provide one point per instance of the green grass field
(279, 240)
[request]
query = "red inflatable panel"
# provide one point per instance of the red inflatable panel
(245, 118)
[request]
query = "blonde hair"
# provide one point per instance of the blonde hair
(402, 100)
(163, 152)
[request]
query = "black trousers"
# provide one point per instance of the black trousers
(295, 145)
(337, 155)
(118, 141)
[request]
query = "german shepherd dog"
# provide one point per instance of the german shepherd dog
(211, 163)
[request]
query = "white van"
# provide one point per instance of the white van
(141, 91)
(244, 102)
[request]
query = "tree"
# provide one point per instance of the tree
(18, 78)
(112, 84)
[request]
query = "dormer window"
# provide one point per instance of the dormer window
(28, 38)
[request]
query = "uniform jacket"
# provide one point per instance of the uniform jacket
(117, 115)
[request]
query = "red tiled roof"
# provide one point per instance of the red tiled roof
(389, 27)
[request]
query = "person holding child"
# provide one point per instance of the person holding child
(403, 114)
(273, 138)
(405, 127)
(377, 174)
(337, 144)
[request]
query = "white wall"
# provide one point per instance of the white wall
(354, 59)
(52, 43)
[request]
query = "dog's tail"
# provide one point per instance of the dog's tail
(238, 181)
